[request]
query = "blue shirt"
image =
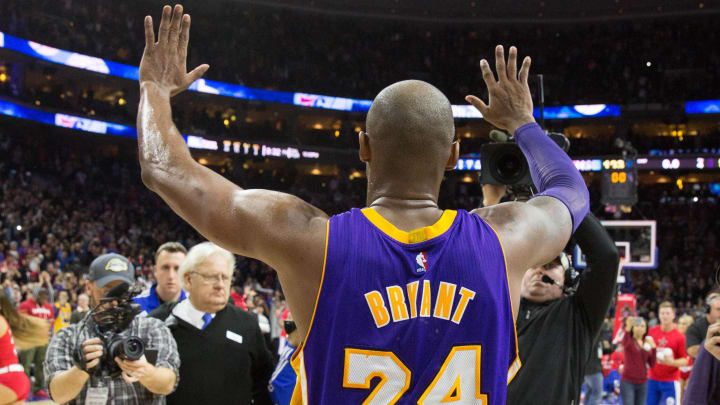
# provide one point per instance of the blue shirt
(149, 299)
(282, 382)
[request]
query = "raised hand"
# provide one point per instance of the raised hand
(164, 62)
(712, 340)
(510, 105)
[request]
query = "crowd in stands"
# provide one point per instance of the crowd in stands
(666, 60)
(64, 202)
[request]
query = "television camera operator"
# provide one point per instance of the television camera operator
(561, 313)
(112, 356)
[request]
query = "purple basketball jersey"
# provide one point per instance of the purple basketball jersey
(419, 317)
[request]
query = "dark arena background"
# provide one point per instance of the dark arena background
(633, 86)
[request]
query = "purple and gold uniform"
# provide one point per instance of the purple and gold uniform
(409, 317)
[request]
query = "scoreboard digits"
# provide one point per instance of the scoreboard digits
(619, 182)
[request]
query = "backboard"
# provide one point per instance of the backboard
(636, 242)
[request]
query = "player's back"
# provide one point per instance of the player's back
(409, 317)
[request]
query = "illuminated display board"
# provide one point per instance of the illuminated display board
(194, 142)
(102, 66)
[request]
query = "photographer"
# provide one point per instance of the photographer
(77, 359)
(556, 326)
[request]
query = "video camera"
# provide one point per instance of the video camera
(107, 321)
(504, 163)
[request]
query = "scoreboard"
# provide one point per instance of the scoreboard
(619, 182)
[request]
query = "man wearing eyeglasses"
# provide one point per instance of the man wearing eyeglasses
(223, 357)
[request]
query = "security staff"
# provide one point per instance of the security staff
(223, 357)
(168, 258)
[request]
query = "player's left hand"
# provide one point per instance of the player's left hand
(133, 371)
(712, 340)
(164, 62)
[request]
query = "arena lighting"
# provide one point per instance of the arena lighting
(194, 142)
(703, 107)
(685, 162)
(102, 66)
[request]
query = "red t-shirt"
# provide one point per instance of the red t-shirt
(30, 307)
(685, 371)
(669, 344)
(618, 357)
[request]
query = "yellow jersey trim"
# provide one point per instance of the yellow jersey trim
(415, 236)
(297, 360)
(517, 364)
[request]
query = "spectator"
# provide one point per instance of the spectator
(32, 359)
(81, 310)
(683, 324)
(639, 352)
(664, 376)
(282, 382)
(13, 380)
(168, 259)
(223, 356)
(63, 311)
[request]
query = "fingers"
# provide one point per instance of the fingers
(184, 35)
(149, 33)
(477, 103)
(93, 355)
(93, 341)
(174, 33)
(196, 73)
(487, 74)
(91, 364)
(512, 63)
(164, 29)
(713, 330)
(500, 63)
(524, 70)
(128, 378)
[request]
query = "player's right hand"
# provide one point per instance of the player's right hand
(93, 350)
(712, 340)
(164, 62)
(509, 105)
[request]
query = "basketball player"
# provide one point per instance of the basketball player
(400, 302)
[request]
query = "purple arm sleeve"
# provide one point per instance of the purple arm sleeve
(552, 171)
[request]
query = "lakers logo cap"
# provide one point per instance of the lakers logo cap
(111, 267)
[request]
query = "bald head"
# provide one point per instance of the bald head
(410, 128)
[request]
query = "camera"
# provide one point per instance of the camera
(504, 163)
(107, 321)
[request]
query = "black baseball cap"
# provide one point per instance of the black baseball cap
(111, 267)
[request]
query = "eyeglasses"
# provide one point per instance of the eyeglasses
(213, 278)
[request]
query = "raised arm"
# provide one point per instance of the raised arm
(597, 285)
(279, 229)
(535, 232)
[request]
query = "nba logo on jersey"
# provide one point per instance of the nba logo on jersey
(421, 260)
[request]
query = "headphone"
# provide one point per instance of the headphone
(712, 297)
(572, 276)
